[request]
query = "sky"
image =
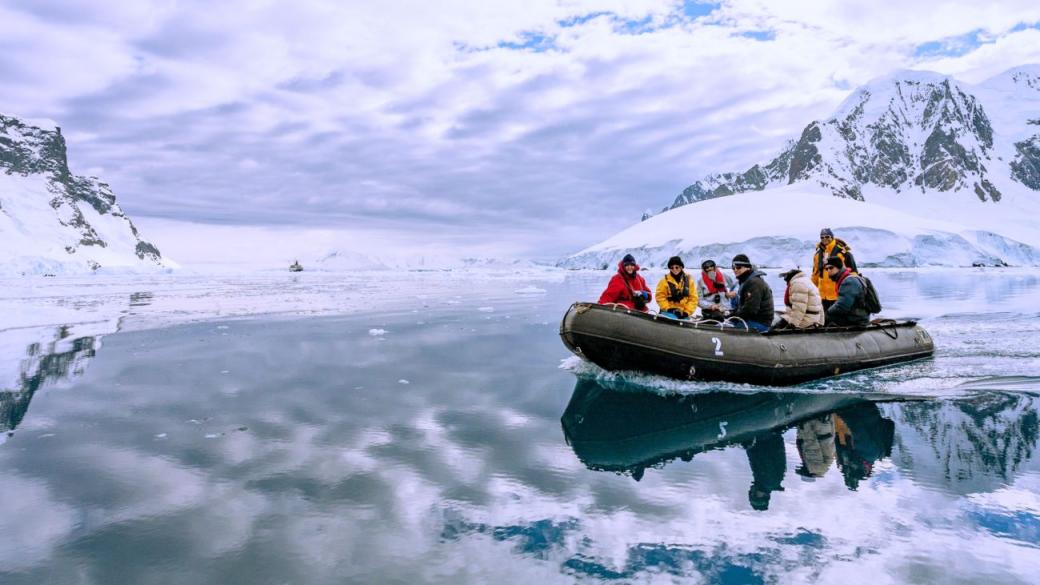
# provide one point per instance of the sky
(522, 129)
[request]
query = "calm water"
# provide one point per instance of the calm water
(452, 447)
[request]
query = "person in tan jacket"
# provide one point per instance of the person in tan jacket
(804, 308)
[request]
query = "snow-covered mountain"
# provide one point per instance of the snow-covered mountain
(910, 130)
(934, 171)
(52, 221)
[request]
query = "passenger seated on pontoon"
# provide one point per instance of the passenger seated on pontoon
(715, 290)
(674, 294)
(850, 310)
(627, 287)
(754, 297)
(804, 308)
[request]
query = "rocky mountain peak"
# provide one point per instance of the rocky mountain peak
(52, 219)
(911, 130)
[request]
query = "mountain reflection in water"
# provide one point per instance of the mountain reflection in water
(44, 363)
(971, 440)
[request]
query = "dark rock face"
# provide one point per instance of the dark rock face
(922, 131)
(29, 150)
(1026, 167)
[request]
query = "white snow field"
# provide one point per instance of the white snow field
(779, 227)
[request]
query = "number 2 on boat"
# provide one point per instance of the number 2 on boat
(718, 345)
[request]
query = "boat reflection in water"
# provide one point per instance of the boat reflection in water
(626, 432)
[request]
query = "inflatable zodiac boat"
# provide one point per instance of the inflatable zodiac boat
(616, 338)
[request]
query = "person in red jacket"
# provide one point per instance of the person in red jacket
(627, 287)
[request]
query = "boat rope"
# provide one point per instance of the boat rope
(731, 319)
(883, 323)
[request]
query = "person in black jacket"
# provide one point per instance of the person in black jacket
(754, 297)
(849, 310)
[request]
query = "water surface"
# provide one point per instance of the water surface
(443, 442)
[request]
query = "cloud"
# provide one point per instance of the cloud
(552, 123)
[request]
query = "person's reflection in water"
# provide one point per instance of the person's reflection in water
(815, 441)
(768, 462)
(863, 437)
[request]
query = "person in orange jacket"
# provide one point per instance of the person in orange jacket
(627, 287)
(828, 247)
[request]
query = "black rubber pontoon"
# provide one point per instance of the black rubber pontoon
(616, 338)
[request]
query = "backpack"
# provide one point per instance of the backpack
(871, 302)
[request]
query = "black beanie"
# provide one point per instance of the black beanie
(741, 260)
(628, 259)
(834, 261)
(707, 264)
(675, 260)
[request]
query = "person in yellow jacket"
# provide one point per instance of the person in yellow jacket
(829, 246)
(677, 293)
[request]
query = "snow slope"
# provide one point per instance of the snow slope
(774, 228)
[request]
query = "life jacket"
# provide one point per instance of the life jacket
(714, 286)
(678, 291)
(838, 247)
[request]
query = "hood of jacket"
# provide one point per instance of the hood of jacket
(621, 269)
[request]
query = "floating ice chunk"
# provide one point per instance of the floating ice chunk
(403, 381)
(486, 309)
(212, 435)
(376, 332)
(225, 371)
(530, 290)
(222, 327)
(160, 436)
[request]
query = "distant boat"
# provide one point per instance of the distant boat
(295, 267)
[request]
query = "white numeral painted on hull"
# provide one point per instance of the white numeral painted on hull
(718, 345)
(722, 429)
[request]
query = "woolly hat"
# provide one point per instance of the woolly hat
(789, 274)
(826, 232)
(707, 264)
(675, 260)
(741, 260)
(834, 261)
(628, 259)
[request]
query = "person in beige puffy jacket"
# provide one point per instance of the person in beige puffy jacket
(804, 308)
